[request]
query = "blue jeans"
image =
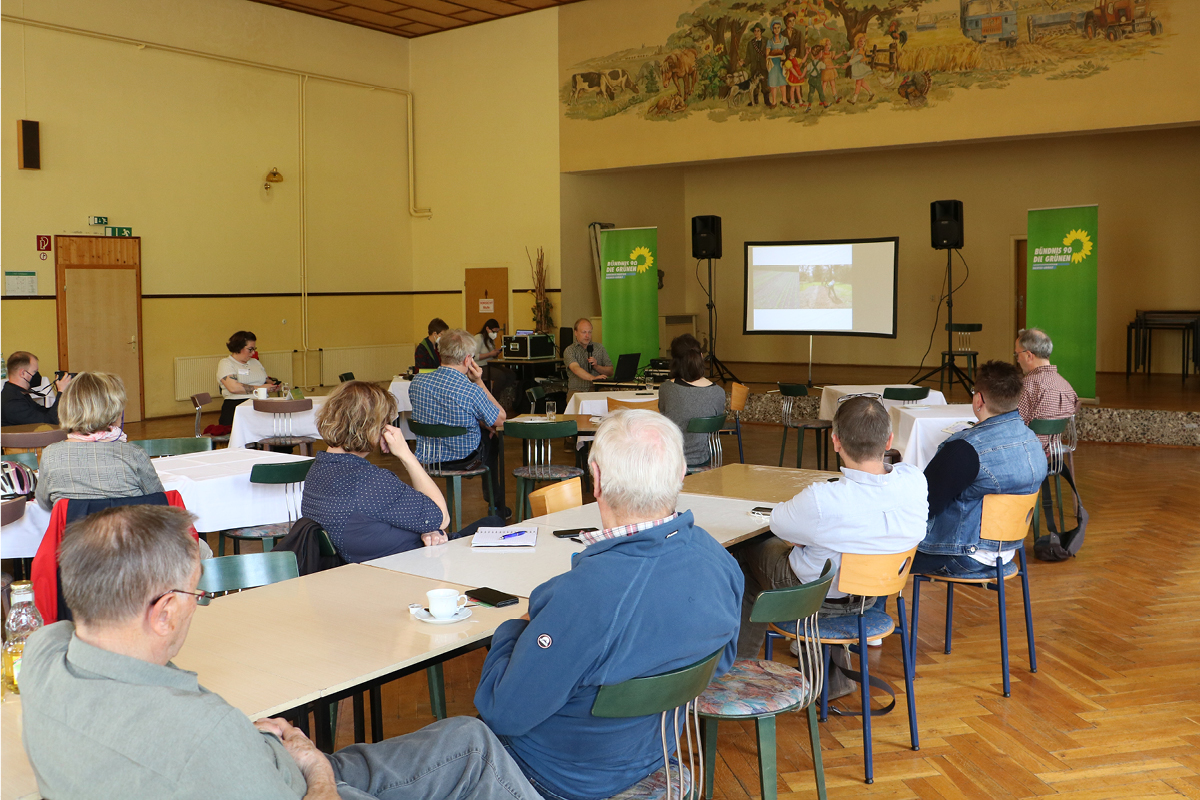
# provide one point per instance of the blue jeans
(454, 759)
(945, 566)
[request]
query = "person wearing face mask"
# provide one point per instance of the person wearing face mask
(17, 406)
(427, 356)
(488, 346)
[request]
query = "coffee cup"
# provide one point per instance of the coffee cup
(445, 603)
(261, 393)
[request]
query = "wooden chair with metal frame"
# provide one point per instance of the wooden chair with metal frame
(289, 474)
(962, 348)
(819, 427)
(1062, 443)
(30, 442)
(648, 405)
(738, 395)
(712, 427)
(762, 690)
(199, 401)
(537, 455)
(156, 448)
(875, 575)
(431, 452)
(663, 694)
(906, 394)
(282, 414)
(1006, 518)
(556, 497)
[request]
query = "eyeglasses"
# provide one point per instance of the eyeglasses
(202, 598)
(872, 395)
(1018, 352)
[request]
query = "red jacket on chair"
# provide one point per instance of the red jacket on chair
(44, 573)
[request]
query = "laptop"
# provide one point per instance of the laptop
(626, 370)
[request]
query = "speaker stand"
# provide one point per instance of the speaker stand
(948, 372)
(810, 343)
(716, 369)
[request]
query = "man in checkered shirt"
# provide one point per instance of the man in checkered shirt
(1045, 395)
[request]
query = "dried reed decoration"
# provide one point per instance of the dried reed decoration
(542, 321)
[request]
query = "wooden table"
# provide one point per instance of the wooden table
(520, 570)
(763, 485)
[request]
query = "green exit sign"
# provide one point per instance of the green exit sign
(97, 220)
(111, 231)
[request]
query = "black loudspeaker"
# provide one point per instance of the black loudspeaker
(29, 145)
(946, 224)
(706, 237)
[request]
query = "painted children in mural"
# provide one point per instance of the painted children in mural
(829, 69)
(776, 46)
(794, 35)
(813, 67)
(860, 68)
(793, 73)
(756, 53)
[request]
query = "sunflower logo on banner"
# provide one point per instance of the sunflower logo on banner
(643, 258)
(1085, 245)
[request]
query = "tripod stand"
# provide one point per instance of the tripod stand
(716, 369)
(948, 371)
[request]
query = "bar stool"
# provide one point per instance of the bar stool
(962, 347)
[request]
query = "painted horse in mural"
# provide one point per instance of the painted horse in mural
(679, 68)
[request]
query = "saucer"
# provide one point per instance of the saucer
(425, 616)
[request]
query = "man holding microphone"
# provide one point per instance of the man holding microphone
(586, 361)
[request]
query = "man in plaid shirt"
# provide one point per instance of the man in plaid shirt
(1045, 395)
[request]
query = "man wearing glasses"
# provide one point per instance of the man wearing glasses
(107, 715)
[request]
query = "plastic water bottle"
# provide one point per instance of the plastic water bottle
(23, 619)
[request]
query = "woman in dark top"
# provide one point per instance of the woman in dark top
(688, 394)
(368, 511)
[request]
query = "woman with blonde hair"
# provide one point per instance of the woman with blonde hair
(368, 511)
(95, 461)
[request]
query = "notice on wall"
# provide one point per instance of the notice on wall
(487, 305)
(20, 283)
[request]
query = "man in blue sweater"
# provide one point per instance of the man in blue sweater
(651, 593)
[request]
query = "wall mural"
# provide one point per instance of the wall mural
(811, 61)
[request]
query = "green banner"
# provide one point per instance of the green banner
(1061, 291)
(629, 292)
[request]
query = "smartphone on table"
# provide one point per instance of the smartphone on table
(491, 597)
(572, 533)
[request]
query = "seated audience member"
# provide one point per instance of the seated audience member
(96, 461)
(367, 510)
(999, 455)
(107, 715)
(652, 592)
(586, 361)
(17, 406)
(873, 508)
(455, 395)
(240, 373)
(427, 356)
(1045, 394)
(487, 347)
(689, 394)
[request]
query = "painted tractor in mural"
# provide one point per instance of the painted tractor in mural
(1116, 19)
(989, 20)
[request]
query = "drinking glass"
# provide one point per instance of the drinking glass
(551, 410)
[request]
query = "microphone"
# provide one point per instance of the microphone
(589, 351)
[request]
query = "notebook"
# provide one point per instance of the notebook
(512, 536)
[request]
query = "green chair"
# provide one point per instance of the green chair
(234, 573)
(538, 437)
(660, 694)
(431, 452)
(819, 427)
(1062, 441)
(291, 475)
(156, 448)
(906, 394)
(712, 427)
(762, 690)
(28, 459)
(962, 348)
(533, 394)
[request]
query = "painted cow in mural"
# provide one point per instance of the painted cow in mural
(619, 80)
(679, 69)
(585, 82)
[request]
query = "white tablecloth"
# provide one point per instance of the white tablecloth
(830, 395)
(919, 430)
(215, 486)
(596, 403)
(399, 390)
(251, 426)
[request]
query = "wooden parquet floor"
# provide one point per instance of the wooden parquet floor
(1113, 711)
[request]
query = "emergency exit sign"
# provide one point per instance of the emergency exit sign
(111, 231)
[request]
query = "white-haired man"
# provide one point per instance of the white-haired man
(107, 715)
(455, 394)
(1045, 394)
(651, 592)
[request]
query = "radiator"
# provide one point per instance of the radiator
(195, 374)
(372, 363)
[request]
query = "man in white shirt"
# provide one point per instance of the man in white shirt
(873, 508)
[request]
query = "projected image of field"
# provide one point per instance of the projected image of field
(803, 288)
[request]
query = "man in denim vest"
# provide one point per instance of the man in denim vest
(999, 455)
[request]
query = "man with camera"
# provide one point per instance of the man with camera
(17, 406)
